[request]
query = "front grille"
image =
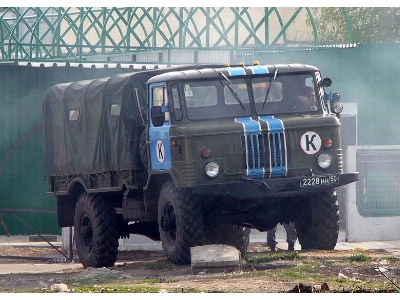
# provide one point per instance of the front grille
(277, 150)
(264, 154)
(253, 155)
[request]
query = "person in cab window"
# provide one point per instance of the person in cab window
(160, 99)
(306, 100)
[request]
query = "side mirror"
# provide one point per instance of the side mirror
(157, 116)
(326, 82)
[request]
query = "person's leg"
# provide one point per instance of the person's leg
(271, 239)
(291, 235)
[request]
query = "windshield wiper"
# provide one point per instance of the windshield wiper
(231, 90)
(269, 86)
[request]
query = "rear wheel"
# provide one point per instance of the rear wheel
(318, 223)
(96, 231)
(180, 223)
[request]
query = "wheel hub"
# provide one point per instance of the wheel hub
(86, 234)
(168, 223)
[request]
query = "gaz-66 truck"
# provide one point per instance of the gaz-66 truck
(194, 155)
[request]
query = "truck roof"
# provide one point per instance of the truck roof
(214, 71)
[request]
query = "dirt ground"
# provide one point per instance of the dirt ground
(261, 271)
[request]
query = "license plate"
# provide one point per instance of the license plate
(319, 180)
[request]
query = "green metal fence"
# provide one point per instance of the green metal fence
(118, 34)
(22, 186)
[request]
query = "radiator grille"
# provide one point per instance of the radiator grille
(264, 154)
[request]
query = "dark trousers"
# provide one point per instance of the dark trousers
(291, 235)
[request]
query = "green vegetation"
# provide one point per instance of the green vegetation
(119, 289)
(359, 258)
(262, 258)
(367, 24)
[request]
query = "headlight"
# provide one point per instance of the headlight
(211, 169)
(324, 160)
(337, 106)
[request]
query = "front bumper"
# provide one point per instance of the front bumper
(277, 187)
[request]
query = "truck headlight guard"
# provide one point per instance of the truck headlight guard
(324, 160)
(211, 169)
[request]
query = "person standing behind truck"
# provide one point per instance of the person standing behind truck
(291, 236)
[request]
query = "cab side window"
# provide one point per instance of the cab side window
(158, 94)
(177, 109)
(160, 99)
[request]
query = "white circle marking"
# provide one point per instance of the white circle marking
(160, 151)
(310, 142)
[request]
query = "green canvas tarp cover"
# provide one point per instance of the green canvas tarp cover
(97, 141)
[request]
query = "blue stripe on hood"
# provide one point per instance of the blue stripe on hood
(273, 124)
(278, 163)
(258, 69)
(252, 130)
(236, 71)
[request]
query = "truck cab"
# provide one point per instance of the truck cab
(230, 126)
(242, 141)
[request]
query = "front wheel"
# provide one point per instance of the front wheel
(96, 231)
(180, 223)
(318, 223)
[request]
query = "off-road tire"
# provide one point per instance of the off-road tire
(96, 231)
(317, 225)
(180, 223)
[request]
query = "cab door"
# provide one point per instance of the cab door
(159, 136)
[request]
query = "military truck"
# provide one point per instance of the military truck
(194, 155)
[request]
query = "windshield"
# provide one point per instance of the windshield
(284, 94)
(267, 94)
(217, 99)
